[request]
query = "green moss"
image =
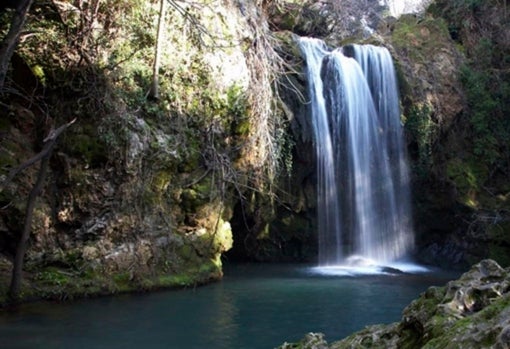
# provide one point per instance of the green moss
(443, 338)
(53, 277)
(405, 89)
(190, 200)
(83, 142)
(191, 153)
(424, 35)
(203, 188)
(122, 281)
(187, 253)
(176, 280)
(495, 308)
(161, 181)
(427, 306)
(242, 127)
(468, 177)
(418, 122)
(38, 72)
(210, 269)
(63, 284)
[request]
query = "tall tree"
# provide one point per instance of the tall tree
(154, 92)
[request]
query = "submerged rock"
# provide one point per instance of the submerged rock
(471, 312)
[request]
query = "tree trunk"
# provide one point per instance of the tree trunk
(10, 41)
(44, 156)
(17, 268)
(154, 92)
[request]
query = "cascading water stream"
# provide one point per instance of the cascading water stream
(363, 181)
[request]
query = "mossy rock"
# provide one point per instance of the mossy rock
(468, 177)
(187, 253)
(191, 155)
(204, 188)
(84, 142)
(191, 200)
(161, 180)
(122, 281)
(194, 198)
(424, 35)
(199, 274)
(242, 127)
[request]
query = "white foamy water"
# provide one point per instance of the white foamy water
(400, 7)
(359, 266)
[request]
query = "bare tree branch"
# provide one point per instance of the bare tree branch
(49, 140)
(44, 156)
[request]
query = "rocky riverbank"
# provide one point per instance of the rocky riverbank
(471, 312)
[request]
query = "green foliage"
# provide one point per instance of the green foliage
(123, 281)
(488, 104)
(53, 277)
(477, 27)
(423, 36)
(421, 127)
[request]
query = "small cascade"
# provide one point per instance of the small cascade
(363, 181)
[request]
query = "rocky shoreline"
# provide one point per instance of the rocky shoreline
(470, 312)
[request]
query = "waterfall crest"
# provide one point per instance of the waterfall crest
(363, 181)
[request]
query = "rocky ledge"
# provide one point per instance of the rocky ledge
(471, 312)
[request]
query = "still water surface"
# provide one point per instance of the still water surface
(255, 306)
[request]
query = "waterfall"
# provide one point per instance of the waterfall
(363, 182)
(399, 7)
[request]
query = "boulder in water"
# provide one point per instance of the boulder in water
(391, 270)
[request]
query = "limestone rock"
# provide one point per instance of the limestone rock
(310, 341)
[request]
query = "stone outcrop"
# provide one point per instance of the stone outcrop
(453, 115)
(141, 192)
(471, 312)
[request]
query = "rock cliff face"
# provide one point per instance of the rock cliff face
(471, 312)
(457, 136)
(141, 191)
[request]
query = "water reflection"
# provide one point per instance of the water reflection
(224, 322)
